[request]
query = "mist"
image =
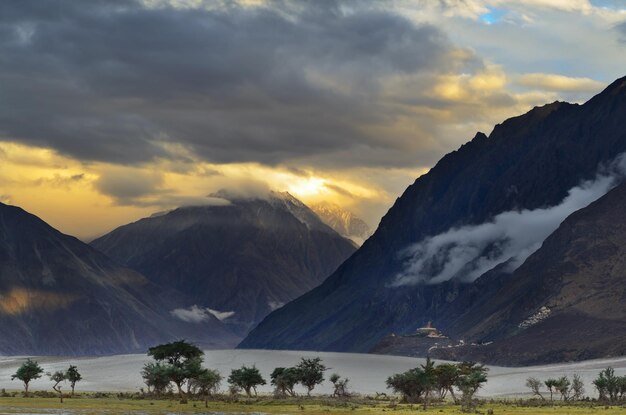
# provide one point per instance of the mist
(467, 252)
(197, 314)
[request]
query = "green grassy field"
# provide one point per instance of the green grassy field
(89, 405)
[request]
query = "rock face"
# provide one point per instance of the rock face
(566, 302)
(528, 162)
(238, 261)
(61, 296)
(345, 223)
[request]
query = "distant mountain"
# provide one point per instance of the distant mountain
(61, 296)
(345, 223)
(239, 261)
(566, 302)
(481, 210)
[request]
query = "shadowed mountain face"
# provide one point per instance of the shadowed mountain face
(528, 162)
(60, 296)
(566, 302)
(239, 261)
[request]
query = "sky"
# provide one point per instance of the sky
(113, 110)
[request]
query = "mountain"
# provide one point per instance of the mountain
(61, 296)
(239, 261)
(345, 223)
(541, 160)
(572, 288)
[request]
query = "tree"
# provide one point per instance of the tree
(311, 372)
(534, 385)
(246, 378)
(206, 383)
(429, 379)
(73, 376)
(550, 384)
(156, 377)
(607, 384)
(183, 360)
(340, 385)
(30, 370)
(284, 380)
(621, 387)
(578, 387)
(446, 375)
(562, 386)
(471, 378)
(412, 384)
(57, 377)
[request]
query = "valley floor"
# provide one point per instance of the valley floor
(114, 406)
(367, 373)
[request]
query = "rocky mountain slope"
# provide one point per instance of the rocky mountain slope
(344, 222)
(568, 298)
(529, 163)
(61, 296)
(239, 261)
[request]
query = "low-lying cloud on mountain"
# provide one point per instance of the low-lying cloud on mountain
(197, 314)
(467, 252)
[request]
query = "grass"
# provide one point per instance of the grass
(87, 405)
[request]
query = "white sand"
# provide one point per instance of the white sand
(367, 373)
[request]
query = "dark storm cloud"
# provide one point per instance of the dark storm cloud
(115, 80)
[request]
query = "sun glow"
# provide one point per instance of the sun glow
(311, 186)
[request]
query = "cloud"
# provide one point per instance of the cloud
(196, 314)
(59, 180)
(622, 29)
(127, 184)
(467, 252)
(554, 82)
(117, 81)
(221, 315)
(275, 305)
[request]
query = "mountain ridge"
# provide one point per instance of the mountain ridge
(248, 257)
(61, 296)
(527, 162)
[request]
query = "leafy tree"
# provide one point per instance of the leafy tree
(471, 378)
(28, 371)
(607, 384)
(246, 378)
(190, 370)
(156, 377)
(73, 376)
(562, 386)
(284, 380)
(57, 377)
(311, 372)
(411, 384)
(578, 387)
(446, 375)
(183, 361)
(551, 385)
(534, 385)
(206, 383)
(621, 387)
(340, 385)
(429, 379)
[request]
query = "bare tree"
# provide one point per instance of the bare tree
(534, 385)
(578, 387)
(57, 377)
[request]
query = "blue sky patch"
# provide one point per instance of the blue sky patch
(611, 4)
(494, 15)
